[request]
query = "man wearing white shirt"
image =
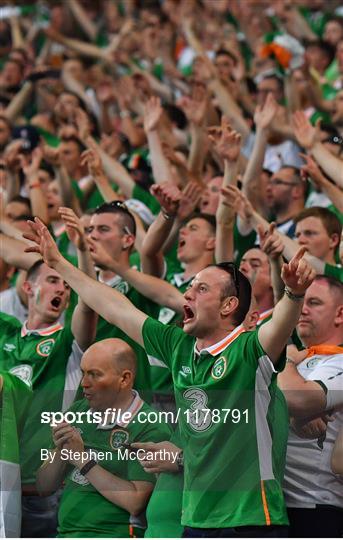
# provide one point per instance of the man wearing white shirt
(313, 386)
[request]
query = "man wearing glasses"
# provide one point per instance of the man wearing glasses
(225, 387)
(285, 197)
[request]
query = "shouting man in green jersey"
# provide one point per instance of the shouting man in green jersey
(225, 387)
(46, 356)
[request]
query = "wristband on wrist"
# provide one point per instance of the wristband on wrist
(166, 215)
(34, 185)
(292, 296)
(89, 465)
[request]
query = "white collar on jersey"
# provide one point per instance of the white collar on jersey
(133, 409)
(219, 347)
(180, 279)
(113, 282)
(40, 331)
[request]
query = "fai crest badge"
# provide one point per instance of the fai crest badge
(219, 368)
(118, 437)
(44, 347)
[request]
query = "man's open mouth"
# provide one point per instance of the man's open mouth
(56, 302)
(188, 314)
(182, 243)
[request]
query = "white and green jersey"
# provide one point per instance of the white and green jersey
(48, 361)
(83, 511)
(15, 398)
(227, 403)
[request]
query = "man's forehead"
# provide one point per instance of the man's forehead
(46, 271)
(106, 218)
(210, 275)
(255, 253)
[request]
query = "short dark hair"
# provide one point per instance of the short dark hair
(120, 209)
(334, 284)
(22, 200)
(33, 271)
(176, 115)
(238, 286)
(324, 46)
(224, 52)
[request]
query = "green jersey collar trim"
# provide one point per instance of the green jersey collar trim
(40, 331)
(134, 408)
(219, 347)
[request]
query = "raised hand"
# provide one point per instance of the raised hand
(152, 114)
(31, 169)
(226, 141)
(51, 155)
(74, 228)
(82, 123)
(298, 274)
(312, 170)
(44, 243)
(270, 241)
(100, 256)
(189, 199)
(236, 200)
(264, 114)
(92, 159)
(194, 109)
(306, 134)
(168, 195)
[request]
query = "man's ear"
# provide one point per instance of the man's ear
(27, 288)
(229, 305)
(211, 243)
(334, 240)
(127, 241)
(339, 316)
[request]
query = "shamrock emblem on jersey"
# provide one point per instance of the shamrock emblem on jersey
(44, 347)
(118, 437)
(219, 368)
(23, 372)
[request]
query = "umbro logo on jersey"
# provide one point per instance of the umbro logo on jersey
(185, 371)
(9, 347)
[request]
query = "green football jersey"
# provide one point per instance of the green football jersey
(83, 511)
(48, 361)
(334, 271)
(106, 330)
(225, 397)
(163, 513)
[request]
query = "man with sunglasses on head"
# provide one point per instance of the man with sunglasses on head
(225, 386)
(111, 236)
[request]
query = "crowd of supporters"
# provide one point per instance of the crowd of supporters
(187, 157)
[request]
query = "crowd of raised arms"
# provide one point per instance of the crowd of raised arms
(171, 251)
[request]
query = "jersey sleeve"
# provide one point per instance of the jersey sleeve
(253, 352)
(160, 341)
(330, 376)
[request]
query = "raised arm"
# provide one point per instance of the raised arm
(158, 290)
(160, 165)
(152, 255)
(227, 144)
(308, 137)
(297, 276)
(107, 302)
(84, 319)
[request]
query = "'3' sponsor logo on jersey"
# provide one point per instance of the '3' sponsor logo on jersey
(198, 415)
